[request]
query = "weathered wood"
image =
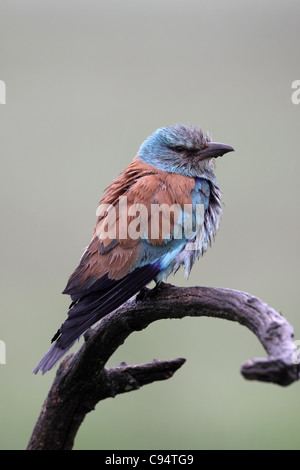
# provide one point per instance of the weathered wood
(82, 379)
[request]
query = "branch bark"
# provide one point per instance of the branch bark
(82, 379)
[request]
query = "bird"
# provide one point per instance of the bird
(173, 168)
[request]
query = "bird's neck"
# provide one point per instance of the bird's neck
(201, 169)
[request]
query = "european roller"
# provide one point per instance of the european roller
(136, 238)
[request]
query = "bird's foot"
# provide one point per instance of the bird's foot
(148, 294)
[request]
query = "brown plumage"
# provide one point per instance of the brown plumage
(141, 184)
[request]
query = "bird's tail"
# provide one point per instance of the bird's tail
(52, 356)
(91, 308)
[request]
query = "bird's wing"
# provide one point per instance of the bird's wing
(126, 235)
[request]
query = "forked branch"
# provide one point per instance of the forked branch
(82, 379)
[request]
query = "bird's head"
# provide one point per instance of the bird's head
(181, 149)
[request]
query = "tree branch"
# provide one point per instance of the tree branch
(82, 379)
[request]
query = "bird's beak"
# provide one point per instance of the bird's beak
(214, 150)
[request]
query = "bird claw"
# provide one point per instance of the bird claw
(148, 294)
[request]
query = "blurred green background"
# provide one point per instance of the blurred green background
(87, 82)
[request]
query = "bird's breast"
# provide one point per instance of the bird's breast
(206, 199)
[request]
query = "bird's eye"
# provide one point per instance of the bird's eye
(179, 148)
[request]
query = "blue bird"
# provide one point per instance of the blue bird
(161, 213)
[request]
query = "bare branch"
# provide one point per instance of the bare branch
(82, 380)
